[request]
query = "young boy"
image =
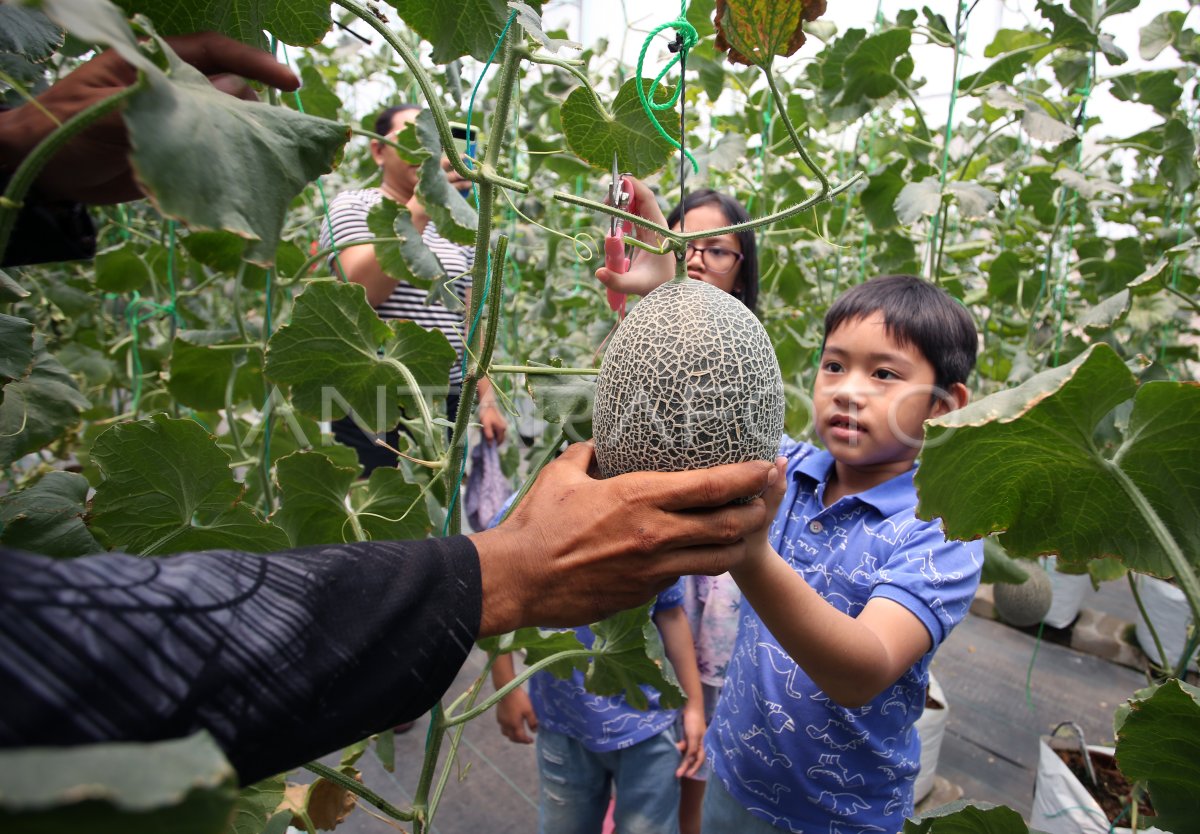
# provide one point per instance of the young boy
(587, 744)
(848, 594)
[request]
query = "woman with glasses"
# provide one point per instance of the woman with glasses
(728, 262)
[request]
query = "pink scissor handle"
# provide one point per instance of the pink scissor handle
(614, 250)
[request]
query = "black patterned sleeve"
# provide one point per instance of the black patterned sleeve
(282, 657)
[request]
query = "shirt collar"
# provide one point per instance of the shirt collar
(891, 497)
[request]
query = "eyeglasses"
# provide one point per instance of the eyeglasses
(716, 259)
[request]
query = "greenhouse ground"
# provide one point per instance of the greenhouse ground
(990, 749)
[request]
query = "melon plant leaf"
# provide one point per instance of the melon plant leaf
(295, 22)
(168, 488)
(1159, 33)
(260, 156)
(391, 508)
(564, 399)
(1025, 461)
(1107, 314)
(1043, 127)
(336, 354)
(47, 517)
(200, 374)
(754, 32)
(879, 197)
(255, 805)
(185, 786)
(918, 199)
(967, 817)
(871, 70)
(1018, 50)
(121, 269)
(454, 217)
(539, 644)
(700, 15)
(316, 99)
(313, 499)
(1158, 743)
(974, 201)
(457, 27)
(410, 259)
(594, 135)
(28, 32)
(16, 349)
(10, 290)
(39, 408)
(629, 653)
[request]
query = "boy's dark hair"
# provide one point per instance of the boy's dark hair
(383, 122)
(918, 313)
(735, 213)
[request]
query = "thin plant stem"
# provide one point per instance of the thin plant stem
(1137, 598)
(542, 370)
(358, 789)
(499, 695)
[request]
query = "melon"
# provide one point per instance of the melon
(689, 381)
(1025, 604)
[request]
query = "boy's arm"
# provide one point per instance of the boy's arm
(677, 641)
(852, 659)
(515, 710)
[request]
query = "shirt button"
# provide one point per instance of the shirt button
(816, 526)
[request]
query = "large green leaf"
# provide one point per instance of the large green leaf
(456, 220)
(121, 269)
(298, 22)
(315, 97)
(1159, 89)
(457, 27)
(964, 817)
(754, 32)
(47, 517)
(255, 805)
(10, 290)
(629, 653)
(871, 70)
(565, 399)
(1159, 34)
(1159, 743)
(16, 348)
(1025, 461)
(168, 488)
(313, 491)
(336, 354)
(391, 508)
(200, 373)
(28, 32)
(39, 408)
(409, 260)
(879, 197)
(258, 157)
(595, 135)
(184, 786)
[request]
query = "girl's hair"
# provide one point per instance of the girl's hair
(734, 212)
(383, 122)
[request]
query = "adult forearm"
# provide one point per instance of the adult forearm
(281, 657)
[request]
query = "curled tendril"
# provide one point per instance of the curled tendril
(584, 243)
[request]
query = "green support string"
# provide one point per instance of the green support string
(960, 33)
(141, 310)
(487, 282)
(688, 34)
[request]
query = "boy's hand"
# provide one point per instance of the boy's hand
(758, 546)
(515, 713)
(691, 746)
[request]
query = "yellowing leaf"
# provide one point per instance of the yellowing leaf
(754, 32)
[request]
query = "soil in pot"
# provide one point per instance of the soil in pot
(1114, 789)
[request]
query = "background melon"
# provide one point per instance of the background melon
(689, 381)
(1025, 604)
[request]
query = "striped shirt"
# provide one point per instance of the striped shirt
(348, 219)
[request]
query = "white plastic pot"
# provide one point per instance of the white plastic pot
(1068, 593)
(1061, 803)
(1167, 608)
(931, 729)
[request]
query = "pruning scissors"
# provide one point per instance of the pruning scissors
(620, 195)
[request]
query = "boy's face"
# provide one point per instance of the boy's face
(872, 396)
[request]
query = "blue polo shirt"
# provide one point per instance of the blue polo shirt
(779, 745)
(601, 723)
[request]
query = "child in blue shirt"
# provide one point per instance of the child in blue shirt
(848, 594)
(588, 745)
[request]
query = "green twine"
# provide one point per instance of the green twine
(487, 281)
(141, 310)
(960, 32)
(690, 37)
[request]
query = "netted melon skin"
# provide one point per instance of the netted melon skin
(689, 381)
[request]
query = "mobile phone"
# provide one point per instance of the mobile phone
(465, 145)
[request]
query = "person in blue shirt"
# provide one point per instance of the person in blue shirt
(848, 595)
(589, 746)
